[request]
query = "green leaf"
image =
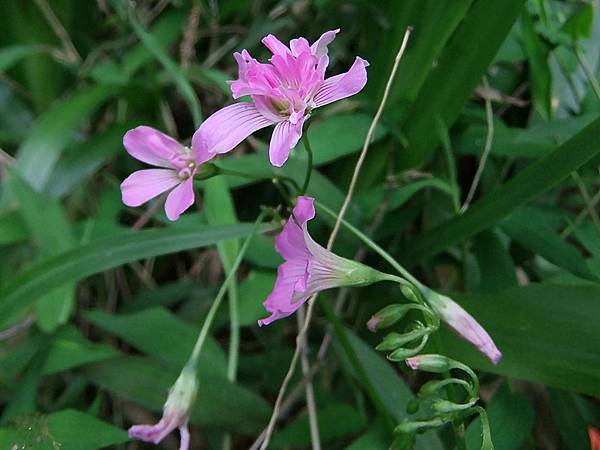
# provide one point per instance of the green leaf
(253, 291)
(69, 349)
(49, 228)
(146, 382)
(532, 232)
(103, 254)
(181, 82)
(66, 430)
(547, 333)
(539, 72)
(569, 419)
(538, 177)
(9, 56)
(55, 129)
(511, 418)
(158, 333)
(496, 267)
(12, 227)
(457, 72)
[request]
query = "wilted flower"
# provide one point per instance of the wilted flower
(308, 267)
(179, 165)
(176, 412)
(464, 325)
(283, 93)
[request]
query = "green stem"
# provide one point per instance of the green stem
(215, 306)
(234, 336)
(309, 152)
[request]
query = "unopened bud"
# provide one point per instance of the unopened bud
(413, 406)
(401, 354)
(387, 316)
(430, 363)
(183, 393)
(394, 340)
(415, 426)
(409, 293)
(445, 406)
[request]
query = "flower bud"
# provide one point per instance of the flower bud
(415, 426)
(445, 406)
(409, 293)
(388, 316)
(430, 363)
(394, 340)
(413, 406)
(402, 353)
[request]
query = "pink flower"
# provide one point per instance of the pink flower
(308, 267)
(175, 413)
(283, 92)
(463, 324)
(179, 165)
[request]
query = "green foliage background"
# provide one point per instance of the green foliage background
(100, 304)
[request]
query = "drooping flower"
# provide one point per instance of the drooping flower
(178, 165)
(463, 324)
(283, 93)
(308, 267)
(176, 412)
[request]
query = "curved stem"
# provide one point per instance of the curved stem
(309, 152)
(215, 306)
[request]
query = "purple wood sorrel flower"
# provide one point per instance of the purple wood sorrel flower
(179, 165)
(176, 412)
(308, 267)
(283, 93)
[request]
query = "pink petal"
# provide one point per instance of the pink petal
(185, 437)
(299, 46)
(304, 209)
(291, 242)
(284, 138)
(226, 128)
(343, 85)
(275, 45)
(151, 146)
(281, 301)
(180, 199)
(319, 48)
(152, 433)
(143, 185)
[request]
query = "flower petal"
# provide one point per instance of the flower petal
(185, 437)
(281, 302)
(275, 45)
(180, 199)
(464, 325)
(141, 186)
(151, 146)
(284, 138)
(343, 85)
(319, 48)
(226, 128)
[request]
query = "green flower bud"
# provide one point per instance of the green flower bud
(413, 406)
(445, 406)
(430, 363)
(415, 426)
(387, 316)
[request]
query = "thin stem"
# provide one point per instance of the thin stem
(587, 200)
(236, 173)
(489, 114)
(589, 73)
(215, 306)
(311, 300)
(569, 229)
(234, 335)
(309, 153)
(309, 391)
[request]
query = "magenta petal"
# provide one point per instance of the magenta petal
(152, 433)
(304, 209)
(275, 45)
(226, 128)
(343, 85)
(284, 138)
(291, 243)
(143, 185)
(319, 48)
(185, 437)
(180, 199)
(151, 146)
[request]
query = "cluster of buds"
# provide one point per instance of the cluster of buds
(414, 337)
(433, 399)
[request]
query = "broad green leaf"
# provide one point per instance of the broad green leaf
(220, 403)
(47, 224)
(12, 227)
(374, 439)
(547, 333)
(457, 72)
(531, 231)
(54, 130)
(69, 349)
(253, 291)
(158, 333)
(511, 418)
(496, 268)
(9, 56)
(103, 254)
(538, 177)
(64, 430)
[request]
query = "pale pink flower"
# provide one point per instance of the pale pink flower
(178, 165)
(283, 93)
(308, 267)
(463, 324)
(175, 412)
